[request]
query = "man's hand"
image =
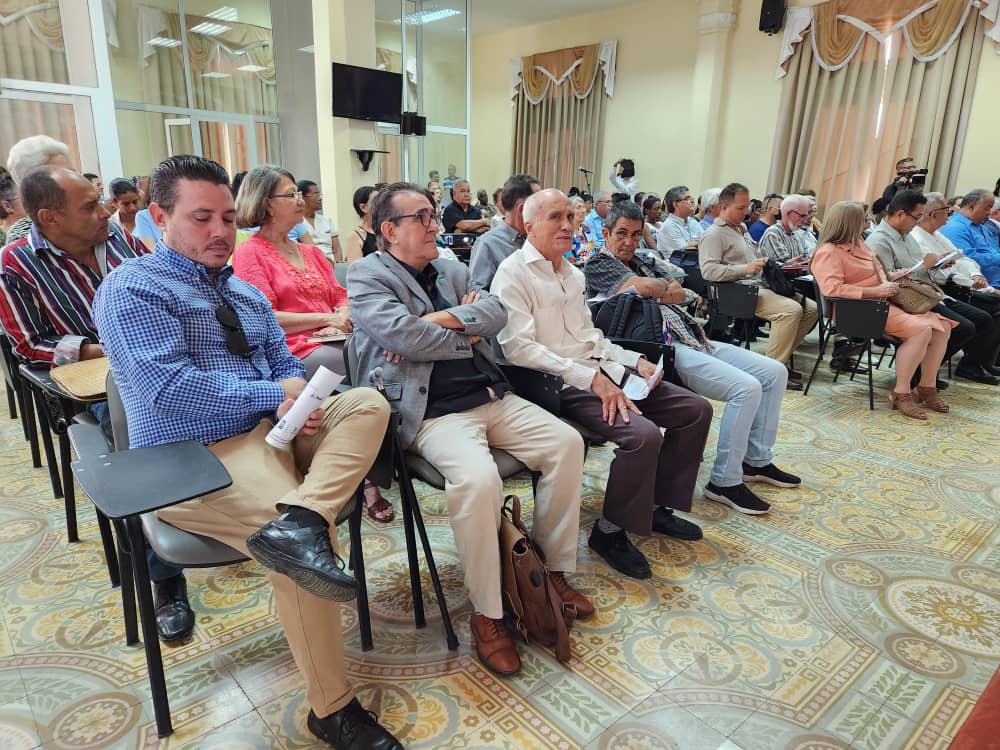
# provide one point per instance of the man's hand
(444, 319)
(756, 266)
(674, 294)
(292, 388)
(313, 422)
(471, 298)
(340, 321)
(646, 368)
(613, 399)
(979, 282)
(930, 259)
(91, 351)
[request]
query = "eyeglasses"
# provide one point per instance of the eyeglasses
(605, 200)
(936, 210)
(236, 338)
(621, 235)
(917, 218)
(426, 217)
(296, 196)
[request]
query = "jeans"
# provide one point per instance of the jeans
(752, 387)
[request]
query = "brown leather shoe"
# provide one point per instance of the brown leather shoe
(494, 646)
(584, 608)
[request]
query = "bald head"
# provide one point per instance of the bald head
(548, 219)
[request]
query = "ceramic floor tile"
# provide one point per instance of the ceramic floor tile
(18, 730)
(660, 724)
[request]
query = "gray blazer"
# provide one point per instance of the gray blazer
(489, 252)
(386, 305)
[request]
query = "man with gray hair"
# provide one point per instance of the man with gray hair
(461, 215)
(28, 154)
(490, 249)
(709, 207)
(779, 241)
(680, 229)
(593, 225)
(967, 231)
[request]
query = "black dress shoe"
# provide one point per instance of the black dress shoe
(303, 553)
(992, 369)
(976, 373)
(619, 552)
(846, 364)
(352, 728)
(174, 617)
(665, 521)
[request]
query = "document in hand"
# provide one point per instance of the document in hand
(637, 388)
(946, 259)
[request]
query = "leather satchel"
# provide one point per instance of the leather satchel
(916, 296)
(529, 597)
(776, 279)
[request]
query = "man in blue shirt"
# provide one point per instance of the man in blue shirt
(198, 355)
(968, 232)
(593, 224)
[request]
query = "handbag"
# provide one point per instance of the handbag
(914, 296)
(776, 279)
(529, 597)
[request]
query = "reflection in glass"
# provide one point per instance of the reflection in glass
(34, 45)
(147, 138)
(26, 117)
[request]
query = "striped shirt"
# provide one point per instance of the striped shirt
(168, 354)
(46, 296)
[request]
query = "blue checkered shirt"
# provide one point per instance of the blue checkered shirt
(167, 351)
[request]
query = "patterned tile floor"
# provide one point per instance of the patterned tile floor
(863, 612)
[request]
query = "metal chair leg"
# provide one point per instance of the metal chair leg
(358, 566)
(69, 490)
(871, 380)
(11, 402)
(42, 412)
(409, 500)
(147, 618)
(819, 358)
(28, 422)
(449, 630)
(108, 541)
(127, 585)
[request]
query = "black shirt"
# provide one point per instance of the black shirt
(454, 213)
(456, 384)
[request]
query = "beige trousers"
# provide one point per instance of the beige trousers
(790, 322)
(458, 445)
(321, 473)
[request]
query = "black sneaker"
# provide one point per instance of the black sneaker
(352, 728)
(770, 474)
(665, 521)
(619, 552)
(738, 498)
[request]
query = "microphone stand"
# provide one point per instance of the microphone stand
(586, 176)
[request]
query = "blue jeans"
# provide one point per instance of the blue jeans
(752, 386)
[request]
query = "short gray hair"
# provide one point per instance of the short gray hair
(794, 202)
(31, 153)
(934, 201)
(256, 188)
(996, 204)
(601, 195)
(975, 197)
(710, 198)
(673, 195)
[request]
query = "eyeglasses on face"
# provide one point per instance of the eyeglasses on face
(426, 217)
(296, 196)
(621, 235)
(916, 217)
(236, 338)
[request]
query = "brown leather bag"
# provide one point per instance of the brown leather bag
(539, 613)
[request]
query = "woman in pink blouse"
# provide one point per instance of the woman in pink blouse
(844, 266)
(297, 280)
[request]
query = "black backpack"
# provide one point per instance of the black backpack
(630, 316)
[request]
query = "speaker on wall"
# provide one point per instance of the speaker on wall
(772, 16)
(413, 124)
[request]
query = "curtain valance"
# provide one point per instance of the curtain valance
(929, 27)
(580, 65)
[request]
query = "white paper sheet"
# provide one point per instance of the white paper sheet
(636, 388)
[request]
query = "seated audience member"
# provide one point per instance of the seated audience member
(652, 209)
(97, 182)
(709, 203)
(588, 200)
(844, 266)
(146, 230)
(969, 229)
(680, 229)
(421, 329)
(28, 154)
(361, 241)
(452, 179)
(955, 204)
(878, 212)
(321, 228)
(995, 216)
(549, 328)
(483, 202)
(124, 202)
(198, 355)
(808, 233)
(750, 384)
(593, 225)
(753, 213)
(769, 215)
(141, 183)
(779, 241)
(727, 254)
(491, 249)
(49, 281)
(622, 176)
(579, 251)
(11, 210)
(461, 215)
(433, 176)
(497, 218)
(898, 253)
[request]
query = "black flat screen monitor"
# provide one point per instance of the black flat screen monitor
(366, 93)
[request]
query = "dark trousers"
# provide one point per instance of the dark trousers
(960, 334)
(981, 346)
(649, 468)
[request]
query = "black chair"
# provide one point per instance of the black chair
(168, 474)
(855, 319)
(734, 301)
(19, 401)
(687, 259)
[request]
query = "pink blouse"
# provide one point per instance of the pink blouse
(290, 289)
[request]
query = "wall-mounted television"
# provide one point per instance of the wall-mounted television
(366, 93)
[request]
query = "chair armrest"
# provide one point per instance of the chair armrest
(40, 378)
(540, 388)
(89, 441)
(141, 480)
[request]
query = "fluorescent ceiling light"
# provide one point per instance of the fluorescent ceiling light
(215, 74)
(163, 41)
(251, 68)
(430, 15)
(225, 13)
(210, 29)
(311, 49)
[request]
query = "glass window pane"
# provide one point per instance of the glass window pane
(147, 66)
(443, 49)
(227, 144)
(34, 45)
(268, 143)
(147, 138)
(442, 150)
(23, 117)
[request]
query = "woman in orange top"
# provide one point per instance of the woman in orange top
(844, 266)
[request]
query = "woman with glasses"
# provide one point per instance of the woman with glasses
(361, 241)
(297, 280)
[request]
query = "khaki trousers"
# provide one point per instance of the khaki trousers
(458, 445)
(321, 473)
(790, 321)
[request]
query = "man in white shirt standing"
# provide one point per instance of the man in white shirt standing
(549, 329)
(680, 229)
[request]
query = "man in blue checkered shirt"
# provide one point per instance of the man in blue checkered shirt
(198, 355)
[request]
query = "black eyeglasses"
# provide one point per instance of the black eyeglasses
(236, 338)
(425, 217)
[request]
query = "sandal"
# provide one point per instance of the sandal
(906, 404)
(928, 396)
(380, 510)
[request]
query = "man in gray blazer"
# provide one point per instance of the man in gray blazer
(421, 329)
(493, 247)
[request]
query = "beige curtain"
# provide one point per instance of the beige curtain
(31, 42)
(840, 132)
